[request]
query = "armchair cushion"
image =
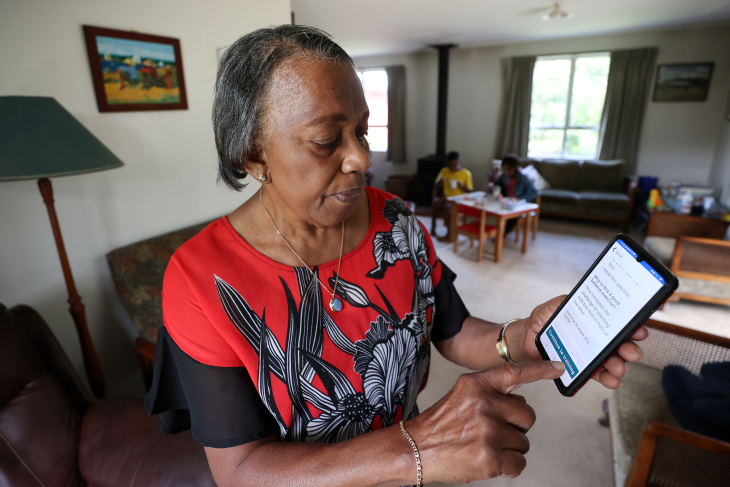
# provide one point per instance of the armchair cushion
(138, 270)
(701, 287)
(661, 247)
(122, 446)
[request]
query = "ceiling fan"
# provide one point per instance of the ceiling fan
(550, 12)
(556, 13)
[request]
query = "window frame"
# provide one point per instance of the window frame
(566, 124)
(361, 71)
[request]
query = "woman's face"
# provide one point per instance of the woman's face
(313, 140)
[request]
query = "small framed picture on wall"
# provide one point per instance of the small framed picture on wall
(683, 82)
(135, 72)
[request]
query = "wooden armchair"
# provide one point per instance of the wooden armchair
(138, 271)
(638, 453)
(665, 228)
(673, 456)
(703, 268)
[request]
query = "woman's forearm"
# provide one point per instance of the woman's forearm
(474, 347)
(381, 457)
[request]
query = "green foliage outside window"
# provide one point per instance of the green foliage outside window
(568, 95)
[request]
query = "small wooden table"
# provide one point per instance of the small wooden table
(491, 208)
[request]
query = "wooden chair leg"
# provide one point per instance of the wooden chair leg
(518, 229)
(146, 352)
(535, 219)
(482, 236)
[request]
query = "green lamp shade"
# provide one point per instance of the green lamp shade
(40, 139)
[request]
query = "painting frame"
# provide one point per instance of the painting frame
(696, 78)
(170, 85)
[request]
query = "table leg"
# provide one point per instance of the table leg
(526, 233)
(453, 223)
(482, 223)
(500, 239)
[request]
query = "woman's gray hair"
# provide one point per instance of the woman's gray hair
(243, 79)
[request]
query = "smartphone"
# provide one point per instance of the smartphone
(620, 291)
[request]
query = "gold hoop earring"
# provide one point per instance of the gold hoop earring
(262, 178)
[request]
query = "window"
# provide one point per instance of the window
(375, 85)
(568, 93)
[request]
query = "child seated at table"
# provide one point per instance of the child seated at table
(514, 184)
(453, 180)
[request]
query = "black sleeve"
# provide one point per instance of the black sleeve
(220, 404)
(450, 310)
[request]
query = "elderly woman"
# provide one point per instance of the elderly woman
(298, 329)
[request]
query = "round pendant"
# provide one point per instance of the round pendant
(336, 304)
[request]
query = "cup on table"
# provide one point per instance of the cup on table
(453, 183)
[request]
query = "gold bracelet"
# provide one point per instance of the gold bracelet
(415, 454)
(502, 348)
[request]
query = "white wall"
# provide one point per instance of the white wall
(679, 140)
(168, 181)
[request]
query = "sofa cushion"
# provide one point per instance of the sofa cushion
(121, 445)
(603, 199)
(528, 161)
(605, 176)
(39, 437)
(577, 211)
(39, 424)
(559, 195)
(561, 174)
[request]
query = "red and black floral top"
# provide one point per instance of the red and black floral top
(251, 348)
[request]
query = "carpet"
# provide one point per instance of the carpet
(567, 445)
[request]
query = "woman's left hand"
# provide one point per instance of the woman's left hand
(521, 340)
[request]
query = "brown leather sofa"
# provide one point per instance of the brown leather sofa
(53, 432)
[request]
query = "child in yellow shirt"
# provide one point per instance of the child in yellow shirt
(455, 181)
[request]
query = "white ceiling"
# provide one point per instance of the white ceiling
(365, 27)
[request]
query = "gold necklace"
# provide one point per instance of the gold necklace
(335, 302)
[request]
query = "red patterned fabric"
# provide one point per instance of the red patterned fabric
(325, 376)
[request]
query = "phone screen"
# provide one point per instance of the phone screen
(612, 294)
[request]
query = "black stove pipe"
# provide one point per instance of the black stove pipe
(443, 97)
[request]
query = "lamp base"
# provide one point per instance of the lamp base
(76, 307)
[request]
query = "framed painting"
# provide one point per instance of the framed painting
(134, 72)
(683, 82)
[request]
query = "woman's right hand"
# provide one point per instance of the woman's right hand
(477, 430)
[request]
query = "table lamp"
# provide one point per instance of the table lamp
(39, 139)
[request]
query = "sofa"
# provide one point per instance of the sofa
(593, 190)
(54, 434)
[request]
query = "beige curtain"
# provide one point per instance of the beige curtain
(514, 119)
(396, 113)
(629, 84)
